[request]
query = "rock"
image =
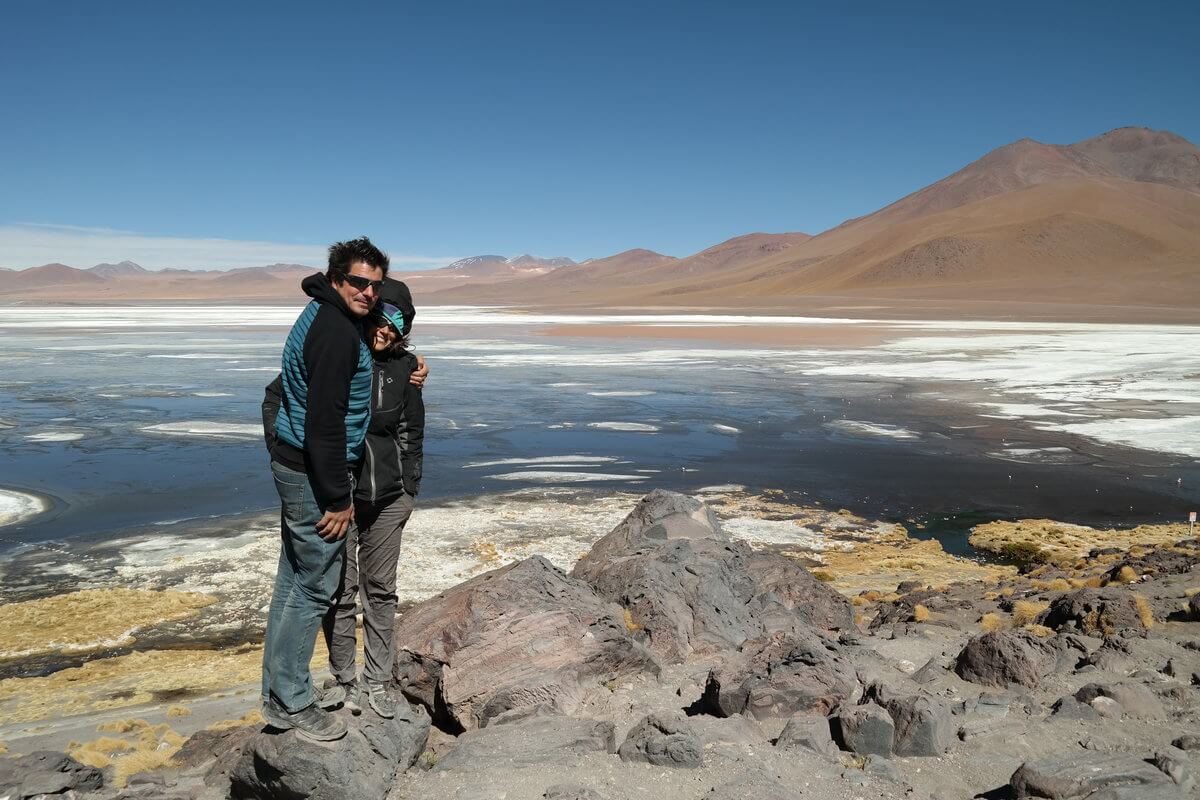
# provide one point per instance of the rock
(865, 729)
(1105, 611)
(688, 587)
(1115, 655)
(521, 635)
(1174, 764)
(220, 749)
(1136, 700)
(1070, 708)
(807, 732)
(922, 724)
(932, 669)
(665, 741)
(1194, 608)
(737, 730)
(1003, 658)
(880, 767)
(1189, 741)
(1079, 775)
(778, 676)
(362, 764)
(537, 740)
(1107, 707)
(571, 791)
(46, 772)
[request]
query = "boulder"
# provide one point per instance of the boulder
(46, 772)
(1194, 608)
(922, 726)
(1081, 774)
(522, 635)
(571, 791)
(808, 732)
(1135, 700)
(542, 739)
(1004, 658)
(665, 741)
(1189, 741)
(865, 729)
(778, 676)
(362, 764)
(219, 749)
(688, 587)
(1094, 611)
(1070, 708)
(1174, 764)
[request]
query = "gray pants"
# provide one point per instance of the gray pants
(372, 552)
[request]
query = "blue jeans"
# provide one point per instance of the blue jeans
(306, 583)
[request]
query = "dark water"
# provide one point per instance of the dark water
(511, 394)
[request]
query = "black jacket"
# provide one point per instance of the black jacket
(394, 451)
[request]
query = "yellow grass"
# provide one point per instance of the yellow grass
(1061, 543)
(991, 621)
(254, 717)
(1026, 611)
(90, 619)
(1040, 631)
(1125, 574)
(920, 613)
(630, 625)
(179, 711)
(1145, 613)
(144, 747)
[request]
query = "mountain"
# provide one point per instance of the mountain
(1114, 219)
(117, 270)
(49, 276)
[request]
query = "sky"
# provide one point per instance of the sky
(222, 134)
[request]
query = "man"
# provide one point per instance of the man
(319, 433)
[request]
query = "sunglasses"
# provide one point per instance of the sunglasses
(361, 283)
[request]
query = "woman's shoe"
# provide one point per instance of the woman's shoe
(380, 701)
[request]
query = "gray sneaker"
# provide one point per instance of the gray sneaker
(380, 701)
(312, 722)
(354, 698)
(334, 694)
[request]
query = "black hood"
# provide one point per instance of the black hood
(319, 288)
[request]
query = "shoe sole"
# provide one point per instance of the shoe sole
(279, 723)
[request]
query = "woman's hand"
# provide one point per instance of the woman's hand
(418, 376)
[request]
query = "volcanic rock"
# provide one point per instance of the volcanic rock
(1081, 774)
(362, 764)
(807, 732)
(522, 635)
(1135, 700)
(688, 587)
(778, 676)
(1003, 658)
(1104, 611)
(865, 729)
(46, 772)
(543, 739)
(665, 741)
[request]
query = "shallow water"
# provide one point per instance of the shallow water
(126, 418)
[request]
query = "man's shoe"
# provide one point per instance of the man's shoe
(311, 722)
(380, 701)
(331, 695)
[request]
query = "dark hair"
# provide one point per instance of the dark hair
(343, 255)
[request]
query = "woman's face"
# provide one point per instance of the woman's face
(381, 337)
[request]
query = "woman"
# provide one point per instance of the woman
(386, 488)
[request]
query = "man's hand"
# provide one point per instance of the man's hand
(418, 376)
(333, 525)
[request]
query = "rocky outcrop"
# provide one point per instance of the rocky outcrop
(1004, 658)
(1134, 699)
(1083, 774)
(46, 772)
(1095, 611)
(689, 588)
(922, 724)
(665, 741)
(808, 732)
(519, 636)
(540, 739)
(362, 764)
(865, 729)
(779, 676)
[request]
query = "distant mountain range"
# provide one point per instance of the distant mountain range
(1112, 220)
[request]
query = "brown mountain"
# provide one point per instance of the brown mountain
(49, 275)
(1113, 219)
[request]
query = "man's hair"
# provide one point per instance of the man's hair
(343, 255)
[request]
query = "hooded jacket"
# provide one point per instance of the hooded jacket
(325, 394)
(395, 438)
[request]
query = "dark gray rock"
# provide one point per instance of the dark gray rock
(571, 791)
(537, 740)
(220, 750)
(923, 726)
(1189, 741)
(665, 741)
(1173, 763)
(808, 732)
(865, 729)
(1094, 611)
(779, 676)
(1194, 608)
(880, 767)
(47, 772)
(1080, 774)
(522, 635)
(1004, 658)
(1135, 700)
(1070, 708)
(689, 588)
(362, 764)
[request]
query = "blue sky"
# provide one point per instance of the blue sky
(219, 134)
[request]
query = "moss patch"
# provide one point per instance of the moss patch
(90, 619)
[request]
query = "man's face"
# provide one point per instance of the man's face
(359, 301)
